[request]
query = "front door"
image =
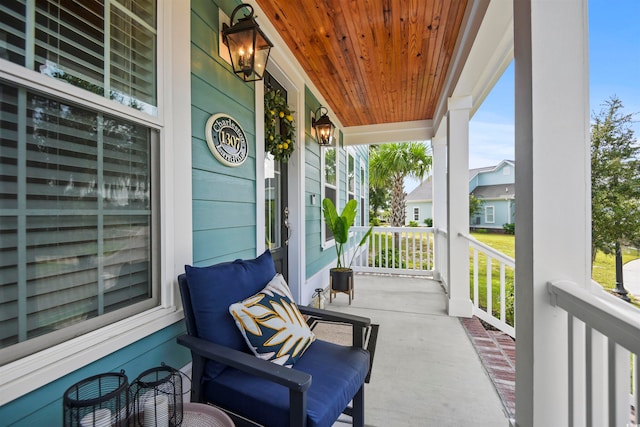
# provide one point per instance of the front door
(277, 222)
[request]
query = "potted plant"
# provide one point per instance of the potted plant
(339, 225)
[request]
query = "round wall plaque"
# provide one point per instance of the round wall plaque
(226, 140)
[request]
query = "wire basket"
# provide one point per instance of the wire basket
(98, 401)
(156, 398)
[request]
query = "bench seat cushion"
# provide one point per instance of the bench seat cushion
(337, 373)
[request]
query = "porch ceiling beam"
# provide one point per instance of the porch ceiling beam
(419, 130)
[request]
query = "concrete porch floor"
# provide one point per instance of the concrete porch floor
(426, 371)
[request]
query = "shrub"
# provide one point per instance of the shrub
(413, 223)
(374, 222)
(394, 261)
(509, 228)
(428, 222)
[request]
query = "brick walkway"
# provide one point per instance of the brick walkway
(497, 352)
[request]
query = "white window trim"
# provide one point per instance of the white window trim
(416, 212)
(332, 242)
(351, 154)
(487, 214)
(34, 371)
(362, 186)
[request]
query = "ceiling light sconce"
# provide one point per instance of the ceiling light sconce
(248, 46)
(323, 127)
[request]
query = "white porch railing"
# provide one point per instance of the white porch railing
(498, 313)
(395, 250)
(603, 346)
(441, 257)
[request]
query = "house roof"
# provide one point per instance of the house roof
(476, 171)
(497, 191)
(424, 191)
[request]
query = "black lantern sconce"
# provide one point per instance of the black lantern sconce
(323, 127)
(248, 46)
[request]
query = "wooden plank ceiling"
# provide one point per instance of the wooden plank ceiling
(374, 61)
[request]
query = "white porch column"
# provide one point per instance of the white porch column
(553, 237)
(459, 303)
(439, 201)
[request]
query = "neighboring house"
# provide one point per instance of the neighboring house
(493, 185)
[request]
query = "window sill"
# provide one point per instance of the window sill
(328, 245)
(34, 371)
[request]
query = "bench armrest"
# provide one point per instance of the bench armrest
(290, 378)
(358, 323)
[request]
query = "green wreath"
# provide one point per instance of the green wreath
(278, 116)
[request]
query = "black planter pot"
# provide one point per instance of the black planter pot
(341, 281)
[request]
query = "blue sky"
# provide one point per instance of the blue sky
(614, 62)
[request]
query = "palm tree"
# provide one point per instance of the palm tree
(392, 163)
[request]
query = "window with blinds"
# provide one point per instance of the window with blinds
(108, 48)
(78, 185)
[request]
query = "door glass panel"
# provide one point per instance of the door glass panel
(273, 202)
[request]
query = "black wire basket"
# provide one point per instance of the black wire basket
(98, 401)
(156, 398)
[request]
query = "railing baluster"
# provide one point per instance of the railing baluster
(588, 349)
(413, 249)
(380, 248)
(611, 380)
(636, 385)
(503, 299)
(489, 286)
(571, 368)
(476, 284)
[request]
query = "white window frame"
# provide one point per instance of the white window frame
(489, 212)
(31, 372)
(416, 213)
(331, 242)
(363, 196)
(351, 159)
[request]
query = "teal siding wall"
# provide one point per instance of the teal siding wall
(224, 198)
(503, 175)
(43, 407)
(504, 213)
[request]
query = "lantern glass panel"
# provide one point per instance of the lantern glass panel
(241, 51)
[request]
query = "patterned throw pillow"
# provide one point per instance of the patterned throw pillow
(272, 325)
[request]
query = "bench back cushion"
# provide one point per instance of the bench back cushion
(213, 289)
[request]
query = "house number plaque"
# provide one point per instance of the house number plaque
(226, 140)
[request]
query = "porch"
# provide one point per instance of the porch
(426, 370)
